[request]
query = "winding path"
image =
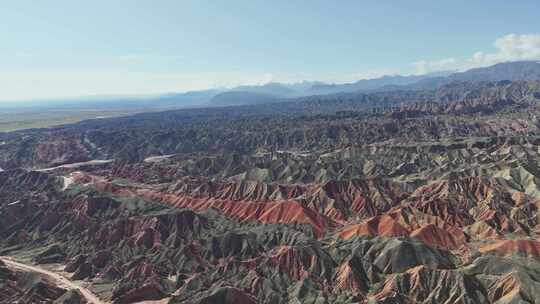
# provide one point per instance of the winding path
(60, 280)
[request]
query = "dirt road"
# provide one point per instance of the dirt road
(60, 280)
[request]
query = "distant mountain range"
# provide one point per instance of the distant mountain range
(513, 71)
(237, 98)
(273, 92)
(373, 84)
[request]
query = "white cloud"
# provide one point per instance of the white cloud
(512, 47)
(336, 77)
(424, 67)
(256, 80)
(370, 74)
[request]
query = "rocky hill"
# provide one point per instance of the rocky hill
(404, 196)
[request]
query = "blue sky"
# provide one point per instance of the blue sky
(62, 48)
